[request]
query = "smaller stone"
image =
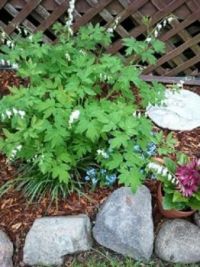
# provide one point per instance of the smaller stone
(52, 238)
(6, 250)
(197, 218)
(178, 241)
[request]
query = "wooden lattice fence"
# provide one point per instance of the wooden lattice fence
(182, 36)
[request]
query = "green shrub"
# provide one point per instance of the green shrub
(79, 110)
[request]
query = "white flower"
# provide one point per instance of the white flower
(30, 37)
(8, 113)
(70, 16)
(19, 147)
(8, 42)
(101, 152)
(156, 167)
(74, 116)
(14, 111)
(114, 25)
(164, 172)
(82, 52)
(164, 23)
(180, 83)
(159, 26)
(25, 32)
(67, 56)
(3, 62)
(148, 39)
(159, 169)
(156, 33)
(15, 66)
(110, 30)
(137, 114)
(14, 152)
(70, 31)
(19, 30)
(21, 113)
(170, 19)
(169, 176)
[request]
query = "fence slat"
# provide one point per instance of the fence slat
(174, 52)
(183, 66)
(53, 17)
(90, 14)
(142, 28)
(3, 2)
(21, 16)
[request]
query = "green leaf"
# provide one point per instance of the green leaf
(170, 164)
(121, 139)
(115, 161)
(61, 172)
(194, 203)
(178, 197)
(93, 131)
(182, 158)
(132, 178)
(158, 46)
(167, 202)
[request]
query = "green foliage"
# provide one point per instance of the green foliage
(167, 145)
(79, 101)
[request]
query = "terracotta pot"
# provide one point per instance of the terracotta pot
(172, 214)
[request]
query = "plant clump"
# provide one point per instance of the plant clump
(78, 111)
(180, 181)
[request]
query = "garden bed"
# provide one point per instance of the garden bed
(17, 216)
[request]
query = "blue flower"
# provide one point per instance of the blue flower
(91, 176)
(91, 172)
(86, 178)
(103, 171)
(94, 180)
(137, 148)
(151, 149)
(142, 170)
(111, 179)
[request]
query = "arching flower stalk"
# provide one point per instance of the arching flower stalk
(70, 19)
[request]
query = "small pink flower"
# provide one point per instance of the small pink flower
(188, 177)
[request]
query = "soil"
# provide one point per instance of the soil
(17, 215)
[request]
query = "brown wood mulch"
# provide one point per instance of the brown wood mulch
(17, 215)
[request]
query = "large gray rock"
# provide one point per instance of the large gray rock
(178, 241)
(180, 111)
(6, 250)
(197, 218)
(124, 224)
(51, 238)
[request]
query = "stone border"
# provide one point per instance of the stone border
(124, 224)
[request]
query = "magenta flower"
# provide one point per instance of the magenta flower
(188, 178)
